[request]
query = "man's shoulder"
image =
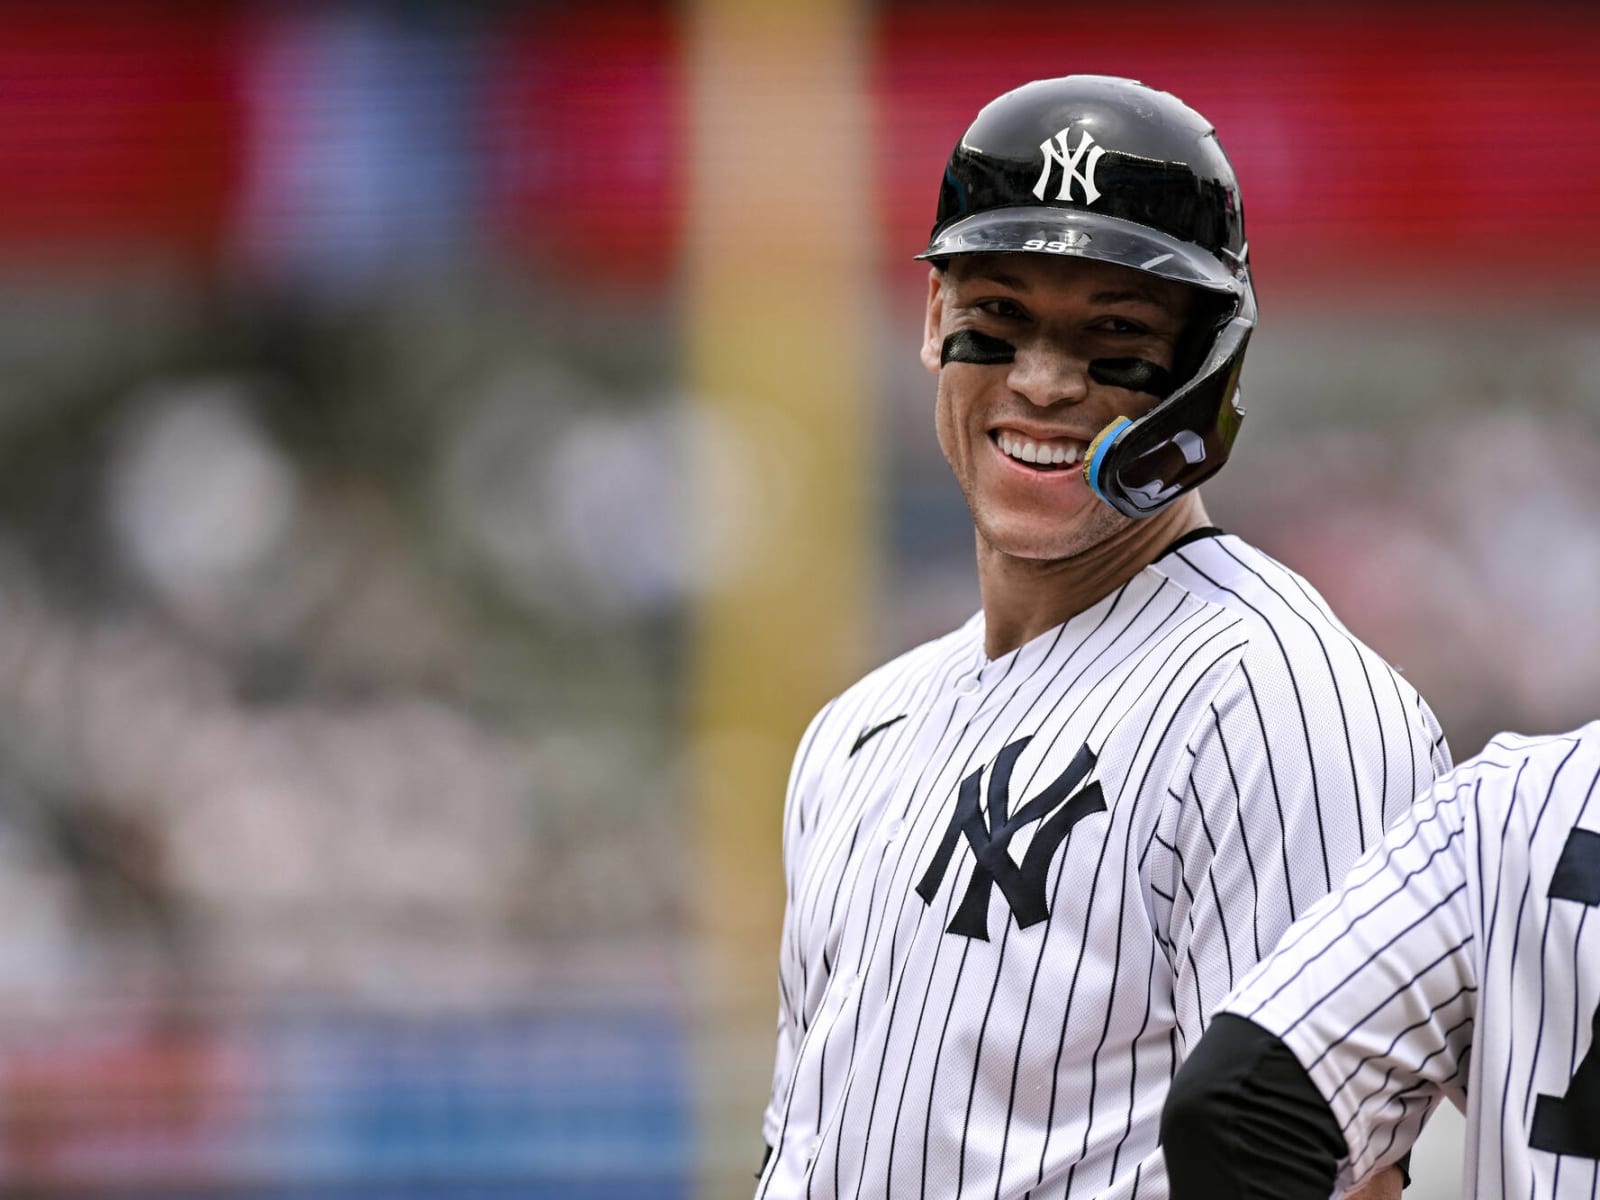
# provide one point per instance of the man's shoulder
(1282, 614)
(1509, 749)
(1301, 665)
(1526, 768)
(909, 672)
(948, 651)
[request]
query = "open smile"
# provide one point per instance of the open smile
(1039, 455)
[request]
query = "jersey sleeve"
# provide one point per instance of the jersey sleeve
(1242, 1120)
(1280, 791)
(1374, 989)
(791, 962)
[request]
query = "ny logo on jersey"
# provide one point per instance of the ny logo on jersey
(1058, 152)
(1023, 887)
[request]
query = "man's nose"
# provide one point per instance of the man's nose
(1047, 375)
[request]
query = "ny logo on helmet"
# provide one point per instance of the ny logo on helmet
(1023, 887)
(1057, 151)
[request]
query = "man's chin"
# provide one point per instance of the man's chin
(1041, 537)
(1043, 546)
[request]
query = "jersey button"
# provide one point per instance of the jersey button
(968, 685)
(891, 829)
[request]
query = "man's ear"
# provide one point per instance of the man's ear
(933, 321)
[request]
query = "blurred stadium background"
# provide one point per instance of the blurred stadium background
(448, 451)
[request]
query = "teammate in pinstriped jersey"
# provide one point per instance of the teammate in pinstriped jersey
(1460, 959)
(1025, 861)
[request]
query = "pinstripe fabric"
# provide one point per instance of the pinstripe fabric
(1460, 959)
(1246, 748)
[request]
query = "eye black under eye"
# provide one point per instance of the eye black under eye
(975, 346)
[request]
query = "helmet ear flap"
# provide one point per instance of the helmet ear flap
(1139, 467)
(1208, 316)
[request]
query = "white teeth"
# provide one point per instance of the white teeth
(1038, 453)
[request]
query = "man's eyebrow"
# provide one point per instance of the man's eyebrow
(1125, 295)
(1015, 282)
(1131, 295)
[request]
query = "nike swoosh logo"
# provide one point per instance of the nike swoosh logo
(868, 734)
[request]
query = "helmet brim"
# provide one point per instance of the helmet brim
(1074, 234)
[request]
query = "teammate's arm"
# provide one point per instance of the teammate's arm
(1244, 1120)
(1370, 995)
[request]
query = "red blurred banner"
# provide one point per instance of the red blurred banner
(1457, 140)
(1438, 143)
(120, 125)
(585, 123)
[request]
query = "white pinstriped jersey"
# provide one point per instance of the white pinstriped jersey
(1016, 888)
(1462, 958)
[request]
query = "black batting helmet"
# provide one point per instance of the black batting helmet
(1099, 167)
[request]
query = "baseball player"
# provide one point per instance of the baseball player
(1461, 958)
(1025, 860)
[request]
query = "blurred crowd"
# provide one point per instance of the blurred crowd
(293, 729)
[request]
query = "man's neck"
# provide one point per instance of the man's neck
(1024, 597)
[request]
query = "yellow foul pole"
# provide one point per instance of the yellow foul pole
(778, 285)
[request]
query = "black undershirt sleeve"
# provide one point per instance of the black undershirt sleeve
(1244, 1120)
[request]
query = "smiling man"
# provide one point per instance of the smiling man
(1025, 861)
(1017, 438)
